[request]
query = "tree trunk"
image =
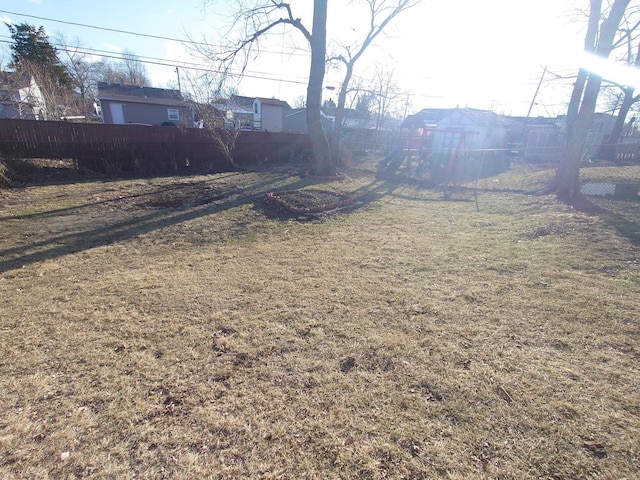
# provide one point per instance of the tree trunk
(319, 142)
(566, 182)
(567, 178)
(589, 47)
(336, 136)
(627, 103)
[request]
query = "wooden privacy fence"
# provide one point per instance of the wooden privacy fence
(141, 148)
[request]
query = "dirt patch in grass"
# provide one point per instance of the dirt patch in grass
(40, 171)
(173, 328)
(309, 202)
(163, 195)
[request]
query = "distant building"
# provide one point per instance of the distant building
(122, 104)
(251, 113)
(268, 114)
(21, 97)
(535, 139)
(236, 112)
(295, 120)
(470, 128)
(454, 143)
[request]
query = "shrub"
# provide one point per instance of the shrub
(4, 180)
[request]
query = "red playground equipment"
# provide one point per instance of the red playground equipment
(436, 155)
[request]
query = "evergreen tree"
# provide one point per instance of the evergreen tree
(31, 52)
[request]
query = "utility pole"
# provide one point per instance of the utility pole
(533, 101)
(178, 74)
(523, 132)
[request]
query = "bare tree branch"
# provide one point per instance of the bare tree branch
(381, 13)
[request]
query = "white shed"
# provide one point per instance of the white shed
(267, 114)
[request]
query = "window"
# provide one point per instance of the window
(173, 113)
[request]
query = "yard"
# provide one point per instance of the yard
(186, 328)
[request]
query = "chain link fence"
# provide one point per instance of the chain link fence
(609, 178)
(606, 171)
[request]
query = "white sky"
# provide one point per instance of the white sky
(486, 54)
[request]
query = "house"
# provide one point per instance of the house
(534, 139)
(268, 114)
(251, 113)
(352, 118)
(601, 128)
(20, 97)
(295, 121)
(478, 132)
(454, 144)
(236, 112)
(122, 104)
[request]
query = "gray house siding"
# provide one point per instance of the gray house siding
(145, 113)
(122, 104)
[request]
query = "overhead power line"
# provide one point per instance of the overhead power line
(127, 32)
(142, 58)
(157, 37)
(196, 68)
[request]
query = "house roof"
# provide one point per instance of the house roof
(295, 119)
(483, 117)
(435, 116)
(244, 102)
(431, 116)
(235, 106)
(296, 111)
(531, 121)
(12, 81)
(134, 93)
(272, 101)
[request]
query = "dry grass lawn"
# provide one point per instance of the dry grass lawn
(173, 328)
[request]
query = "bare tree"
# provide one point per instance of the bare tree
(134, 70)
(381, 13)
(258, 21)
(599, 41)
(325, 163)
(34, 55)
(82, 73)
(78, 67)
(629, 37)
(130, 71)
(300, 102)
(4, 179)
(208, 95)
(622, 103)
(46, 98)
(107, 71)
(388, 98)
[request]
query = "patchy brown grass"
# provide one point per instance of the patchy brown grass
(174, 328)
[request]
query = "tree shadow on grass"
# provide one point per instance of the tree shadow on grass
(42, 172)
(376, 190)
(109, 233)
(382, 187)
(133, 196)
(623, 222)
(81, 239)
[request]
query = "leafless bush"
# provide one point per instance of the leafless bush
(4, 180)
